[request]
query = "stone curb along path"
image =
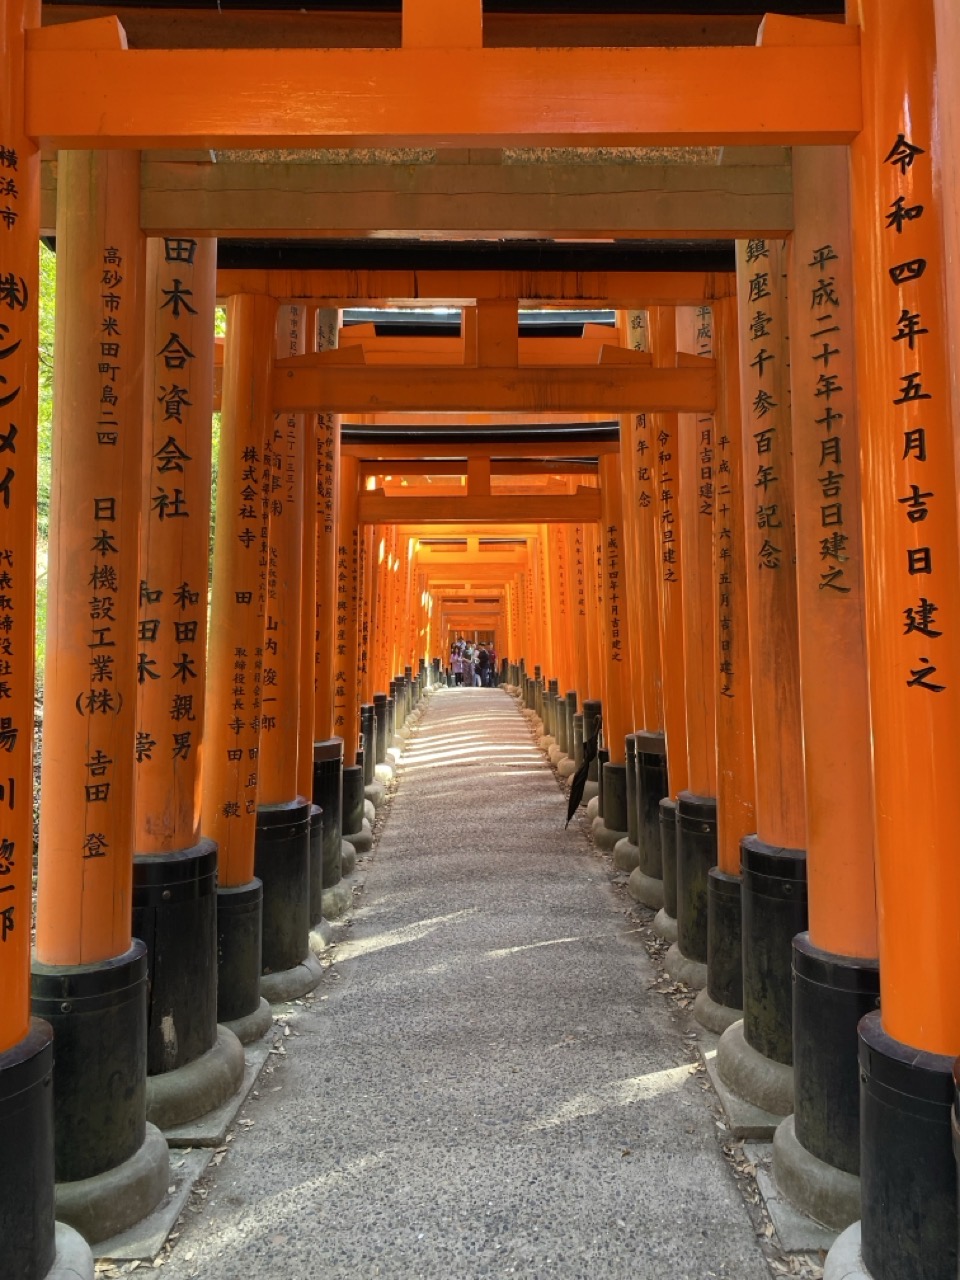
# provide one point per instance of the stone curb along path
(482, 1085)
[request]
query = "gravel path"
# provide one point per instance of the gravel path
(487, 1088)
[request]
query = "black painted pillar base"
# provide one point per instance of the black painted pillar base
(610, 826)
(380, 710)
(647, 881)
(626, 855)
(112, 1167)
(592, 711)
(175, 915)
(282, 862)
(816, 1152)
(316, 864)
(327, 793)
(353, 801)
(27, 1228)
(721, 1002)
(562, 734)
(239, 947)
(603, 759)
(696, 854)
(193, 1066)
(578, 739)
(774, 911)
(665, 923)
(908, 1176)
(368, 730)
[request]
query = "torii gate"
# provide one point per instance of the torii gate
(77, 87)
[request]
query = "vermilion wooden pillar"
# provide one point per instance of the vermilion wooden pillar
(697, 804)
(912, 594)
(85, 955)
(719, 1004)
(307, 691)
(347, 647)
(835, 966)
(611, 825)
(328, 744)
(26, 1050)
(664, 448)
(175, 871)
(282, 846)
(755, 1055)
(639, 448)
(231, 758)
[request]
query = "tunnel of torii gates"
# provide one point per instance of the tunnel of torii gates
(747, 564)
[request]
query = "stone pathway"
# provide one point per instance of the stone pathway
(487, 1088)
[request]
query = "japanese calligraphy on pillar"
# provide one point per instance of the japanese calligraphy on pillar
(580, 571)
(916, 397)
(172, 623)
(761, 271)
(19, 186)
(613, 577)
(282, 495)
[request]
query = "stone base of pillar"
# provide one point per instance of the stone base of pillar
(74, 1261)
(385, 773)
(713, 1016)
(556, 754)
(682, 969)
(348, 861)
(253, 1026)
(665, 926)
(190, 1091)
(758, 1080)
(604, 838)
(321, 935)
(117, 1199)
(369, 808)
(845, 1261)
(626, 855)
(646, 889)
(291, 984)
(591, 798)
(826, 1194)
(336, 900)
(567, 767)
(375, 793)
(361, 840)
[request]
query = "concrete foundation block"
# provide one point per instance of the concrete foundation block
(111, 1202)
(198, 1087)
(374, 793)
(625, 855)
(252, 1026)
(369, 804)
(828, 1195)
(361, 840)
(665, 926)
(649, 891)
(757, 1079)
(74, 1261)
(291, 984)
(604, 838)
(592, 800)
(845, 1261)
(682, 969)
(348, 858)
(567, 767)
(336, 900)
(715, 1017)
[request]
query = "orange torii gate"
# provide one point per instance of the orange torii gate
(78, 88)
